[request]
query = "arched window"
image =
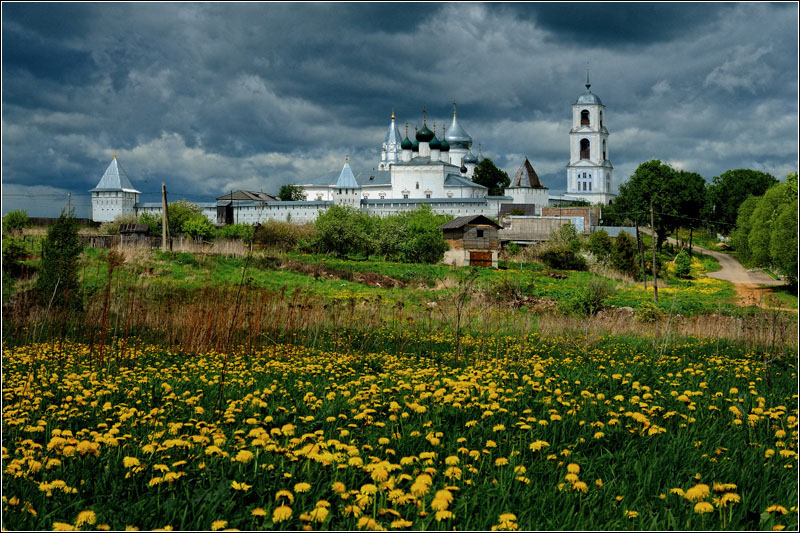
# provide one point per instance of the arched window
(585, 118)
(601, 119)
(584, 148)
(604, 150)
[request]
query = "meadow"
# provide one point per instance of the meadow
(286, 391)
(524, 433)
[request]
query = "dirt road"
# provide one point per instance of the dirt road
(752, 286)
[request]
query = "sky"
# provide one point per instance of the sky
(213, 97)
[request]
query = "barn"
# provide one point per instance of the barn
(473, 241)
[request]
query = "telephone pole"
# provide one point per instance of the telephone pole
(164, 223)
(653, 226)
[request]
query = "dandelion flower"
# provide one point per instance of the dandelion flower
(284, 512)
(573, 468)
(698, 492)
(703, 507)
(216, 525)
(302, 487)
(258, 511)
(86, 517)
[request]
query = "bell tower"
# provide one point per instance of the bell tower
(589, 170)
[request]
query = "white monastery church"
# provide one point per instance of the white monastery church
(426, 171)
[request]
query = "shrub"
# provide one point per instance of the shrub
(508, 290)
(15, 220)
(285, 235)
(343, 231)
(562, 257)
(198, 226)
(112, 228)
(648, 312)
(683, 264)
(600, 244)
(589, 300)
(245, 232)
(58, 275)
(152, 220)
(178, 213)
(14, 252)
(623, 255)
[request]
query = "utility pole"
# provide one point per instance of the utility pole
(69, 202)
(164, 223)
(653, 226)
(640, 246)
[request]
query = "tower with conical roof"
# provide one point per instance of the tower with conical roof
(589, 169)
(347, 190)
(390, 151)
(114, 194)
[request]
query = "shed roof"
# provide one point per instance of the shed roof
(472, 220)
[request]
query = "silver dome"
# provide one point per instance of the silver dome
(470, 158)
(456, 137)
(589, 98)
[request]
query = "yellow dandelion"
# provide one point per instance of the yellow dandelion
(573, 468)
(698, 492)
(302, 487)
(703, 507)
(86, 517)
(258, 511)
(284, 512)
(216, 525)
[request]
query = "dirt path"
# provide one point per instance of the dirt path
(752, 286)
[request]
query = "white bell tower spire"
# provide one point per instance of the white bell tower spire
(589, 170)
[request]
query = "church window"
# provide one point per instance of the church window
(584, 148)
(604, 150)
(590, 185)
(601, 119)
(585, 118)
(405, 195)
(427, 195)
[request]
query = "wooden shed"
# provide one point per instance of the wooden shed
(473, 241)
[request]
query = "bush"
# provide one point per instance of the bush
(58, 275)
(285, 235)
(198, 226)
(343, 231)
(112, 228)
(178, 213)
(683, 265)
(15, 220)
(589, 300)
(245, 232)
(509, 289)
(152, 220)
(14, 252)
(562, 257)
(648, 312)
(600, 244)
(623, 255)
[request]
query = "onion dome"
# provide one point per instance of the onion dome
(470, 158)
(424, 135)
(406, 144)
(588, 97)
(463, 169)
(456, 136)
(435, 144)
(443, 145)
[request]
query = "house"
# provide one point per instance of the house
(473, 241)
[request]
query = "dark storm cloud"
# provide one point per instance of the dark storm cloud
(213, 96)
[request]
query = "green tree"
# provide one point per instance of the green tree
(344, 231)
(660, 184)
(683, 264)
(491, 177)
(426, 242)
(198, 227)
(740, 236)
(727, 192)
(762, 223)
(291, 193)
(152, 220)
(783, 242)
(178, 212)
(58, 274)
(600, 244)
(245, 232)
(15, 220)
(624, 255)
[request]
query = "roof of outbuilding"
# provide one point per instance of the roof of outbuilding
(472, 220)
(256, 196)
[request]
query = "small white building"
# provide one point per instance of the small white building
(589, 169)
(114, 195)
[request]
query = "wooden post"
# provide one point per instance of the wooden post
(164, 218)
(655, 276)
(640, 246)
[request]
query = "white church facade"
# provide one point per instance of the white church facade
(429, 170)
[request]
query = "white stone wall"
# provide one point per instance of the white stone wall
(107, 205)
